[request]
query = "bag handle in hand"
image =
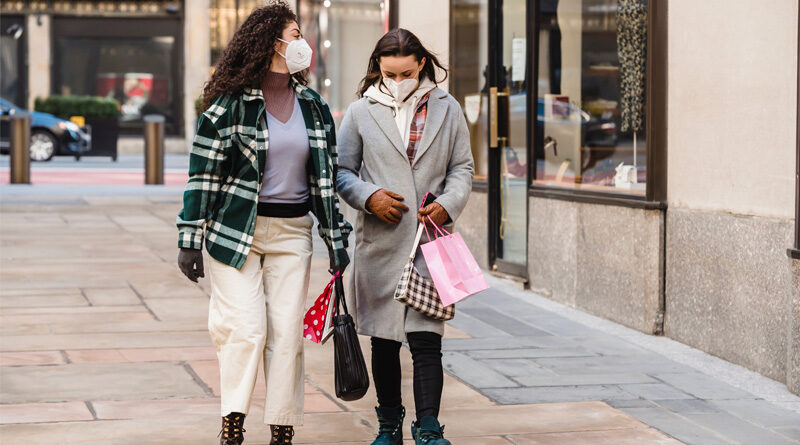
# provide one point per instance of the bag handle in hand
(441, 230)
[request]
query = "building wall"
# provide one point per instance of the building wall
(473, 226)
(39, 57)
(606, 260)
(197, 60)
(732, 106)
(430, 21)
(732, 127)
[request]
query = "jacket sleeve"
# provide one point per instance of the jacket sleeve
(344, 227)
(354, 190)
(460, 168)
(209, 152)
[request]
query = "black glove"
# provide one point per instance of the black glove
(191, 263)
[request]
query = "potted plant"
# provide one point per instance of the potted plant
(100, 115)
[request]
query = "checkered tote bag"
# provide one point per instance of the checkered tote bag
(418, 292)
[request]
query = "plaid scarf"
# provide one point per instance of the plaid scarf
(417, 125)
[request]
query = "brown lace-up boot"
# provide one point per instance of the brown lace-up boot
(281, 434)
(232, 432)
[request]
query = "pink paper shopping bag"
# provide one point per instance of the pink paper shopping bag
(454, 271)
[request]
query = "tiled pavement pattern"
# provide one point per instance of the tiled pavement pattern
(522, 353)
(102, 341)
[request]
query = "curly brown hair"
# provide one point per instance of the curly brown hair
(249, 54)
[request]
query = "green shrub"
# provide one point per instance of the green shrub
(198, 107)
(86, 106)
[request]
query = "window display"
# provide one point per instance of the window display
(468, 61)
(590, 129)
(343, 34)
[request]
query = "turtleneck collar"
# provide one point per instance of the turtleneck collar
(275, 81)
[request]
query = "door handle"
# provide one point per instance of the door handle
(550, 142)
(494, 109)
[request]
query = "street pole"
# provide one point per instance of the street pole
(153, 149)
(20, 153)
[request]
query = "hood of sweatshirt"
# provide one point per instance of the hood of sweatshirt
(383, 97)
(403, 111)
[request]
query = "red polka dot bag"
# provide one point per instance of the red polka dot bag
(317, 324)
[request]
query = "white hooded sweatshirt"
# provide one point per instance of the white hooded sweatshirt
(403, 111)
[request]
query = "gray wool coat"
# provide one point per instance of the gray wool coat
(372, 157)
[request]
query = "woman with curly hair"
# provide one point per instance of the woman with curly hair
(263, 159)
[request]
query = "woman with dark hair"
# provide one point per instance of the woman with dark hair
(402, 139)
(264, 157)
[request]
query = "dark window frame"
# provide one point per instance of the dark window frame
(657, 83)
(115, 26)
(794, 252)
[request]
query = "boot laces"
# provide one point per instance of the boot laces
(428, 435)
(390, 426)
(232, 430)
(282, 434)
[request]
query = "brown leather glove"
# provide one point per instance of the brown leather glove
(386, 206)
(437, 213)
(190, 262)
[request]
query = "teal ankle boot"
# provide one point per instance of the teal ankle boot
(390, 421)
(428, 432)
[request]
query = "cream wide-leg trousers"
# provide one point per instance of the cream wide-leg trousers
(257, 311)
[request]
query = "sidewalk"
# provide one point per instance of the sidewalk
(103, 341)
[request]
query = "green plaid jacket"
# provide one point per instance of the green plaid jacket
(226, 166)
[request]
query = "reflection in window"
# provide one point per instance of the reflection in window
(343, 34)
(591, 105)
(225, 16)
(10, 78)
(134, 71)
(468, 63)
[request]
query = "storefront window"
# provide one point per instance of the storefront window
(225, 16)
(468, 61)
(12, 60)
(343, 34)
(134, 71)
(591, 105)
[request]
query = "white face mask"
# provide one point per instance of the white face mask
(401, 90)
(298, 55)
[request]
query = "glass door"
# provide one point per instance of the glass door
(508, 135)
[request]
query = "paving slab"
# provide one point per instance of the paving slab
(31, 358)
(703, 386)
(678, 426)
(474, 372)
(612, 437)
(101, 381)
(44, 412)
(655, 391)
(552, 394)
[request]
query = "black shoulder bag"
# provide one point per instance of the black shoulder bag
(350, 369)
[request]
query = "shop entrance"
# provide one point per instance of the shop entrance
(508, 135)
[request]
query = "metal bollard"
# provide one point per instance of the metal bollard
(20, 148)
(153, 149)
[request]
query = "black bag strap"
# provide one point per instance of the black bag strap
(339, 286)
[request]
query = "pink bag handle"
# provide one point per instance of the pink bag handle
(440, 229)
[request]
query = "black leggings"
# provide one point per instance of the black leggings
(426, 352)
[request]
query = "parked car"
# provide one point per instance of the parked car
(50, 135)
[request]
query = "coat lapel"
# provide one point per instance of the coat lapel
(383, 117)
(437, 111)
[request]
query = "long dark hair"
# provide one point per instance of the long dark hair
(400, 42)
(249, 54)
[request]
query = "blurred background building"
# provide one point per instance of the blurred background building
(635, 159)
